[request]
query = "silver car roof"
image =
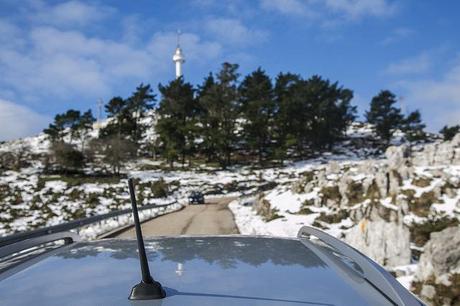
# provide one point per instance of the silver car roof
(222, 270)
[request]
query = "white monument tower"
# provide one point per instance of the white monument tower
(178, 57)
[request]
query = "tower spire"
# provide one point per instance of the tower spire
(179, 33)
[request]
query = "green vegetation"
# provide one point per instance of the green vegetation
(225, 120)
(264, 209)
(160, 189)
(449, 132)
(443, 292)
(420, 205)
(330, 193)
(387, 118)
(420, 232)
(76, 180)
(421, 182)
(333, 217)
(355, 192)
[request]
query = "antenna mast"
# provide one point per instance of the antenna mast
(403, 105)
(148, 288)
(100, 103)
(179, 33)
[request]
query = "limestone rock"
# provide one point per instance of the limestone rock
(397, 157)
(438, 154)
(388, 243)
(441, 254)
(437, 279)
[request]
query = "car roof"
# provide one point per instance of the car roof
(219, 270)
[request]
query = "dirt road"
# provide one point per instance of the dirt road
(213, 218)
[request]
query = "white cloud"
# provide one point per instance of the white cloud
(355, 9)
(54, 57)
(71, 13)
(346, 9)
(397, 35)
(18, 121)
(288, 7)
(195, 49)
(236, 8)
(234, 32)
(10, 34)
(57, 55)
(415, 65)
(64, 64)
(438, 99)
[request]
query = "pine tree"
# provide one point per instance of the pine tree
(301, 116)
(284, 113)
(140, 102)
(257, 108)
(83, 127)
(385, 117)
(115, 107)
(177, 121)
(64, 124)
(118, 115)
(449, 132)
(221, 105)
(413, 127)
(117, 151)
(66, 157)
(332, 111)
(207, 119)
(126, 115)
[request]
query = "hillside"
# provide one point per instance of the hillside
(385, 204)
(403, 211)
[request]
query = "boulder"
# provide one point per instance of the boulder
(438, 154)
(437, 279)
(388, 243)
(441, 254)
(397, 157)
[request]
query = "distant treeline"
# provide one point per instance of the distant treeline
(228, 119)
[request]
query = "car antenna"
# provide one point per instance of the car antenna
(148, 288)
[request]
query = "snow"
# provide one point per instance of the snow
(387, 202)
(58, 202)
(451, 206)
(249, 223)
(56, 186)
(405, 274)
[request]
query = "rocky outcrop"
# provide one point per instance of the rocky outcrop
(389, 202)
(437, 279)
(439, 153)
(386, 242)
(264, 209)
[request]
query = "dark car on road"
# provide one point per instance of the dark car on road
(196, 197)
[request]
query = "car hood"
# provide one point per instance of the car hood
(234, 270)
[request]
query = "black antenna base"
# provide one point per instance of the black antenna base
(147, 291)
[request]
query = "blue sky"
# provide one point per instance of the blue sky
(56, 55)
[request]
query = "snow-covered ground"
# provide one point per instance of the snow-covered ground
(381, 205)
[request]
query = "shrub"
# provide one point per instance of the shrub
(67, 158)
(160, 189)
(449, 132)
(330, 193)
(421, 182)
(420, 232)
